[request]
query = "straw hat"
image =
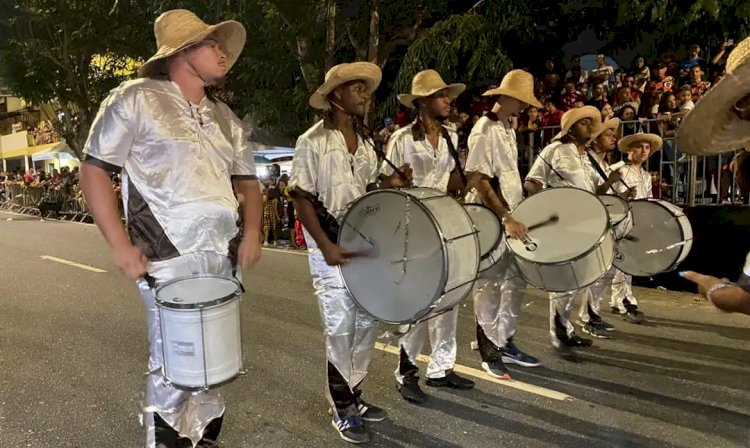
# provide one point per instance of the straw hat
(341, 74)
(599, 128)
(626, 142)
(427, 83)
(519, 85)
(177, 29)
(712, 127)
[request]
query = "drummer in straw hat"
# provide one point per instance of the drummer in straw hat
(563, 163)
(429, 148)
(635, 184)
(175, 228)
(493, 154)
(719, 123)
(334, 164)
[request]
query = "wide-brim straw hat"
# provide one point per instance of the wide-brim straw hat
(517, 84)
(712, 126)
(341, 74)
(178, 29)
(654, 140)
(599, 128)
(427, 83)
(573, 116)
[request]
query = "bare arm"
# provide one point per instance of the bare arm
(101, 199)
(251, 207)
(732, 299)
(489, 197)
(532, 187)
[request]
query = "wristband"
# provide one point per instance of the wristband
(715, 287)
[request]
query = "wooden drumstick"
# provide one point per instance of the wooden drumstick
(551, 220)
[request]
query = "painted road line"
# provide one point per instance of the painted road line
(476, 373)
(73, 263)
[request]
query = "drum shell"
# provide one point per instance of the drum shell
(495, 252)
(202, 346)
(448, 223)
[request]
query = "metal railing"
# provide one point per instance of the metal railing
(683, 179)
(44, 199)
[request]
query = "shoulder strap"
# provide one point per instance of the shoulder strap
(454, 153)
(596, 166)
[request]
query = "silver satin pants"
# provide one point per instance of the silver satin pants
(622, 288)
(560, 306)
(187, 412)
(498, 296)
(350, 332)
(592, 299)
(442, 333)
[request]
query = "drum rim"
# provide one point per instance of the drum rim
(583, 254)
(206, 387)
(627, 203)
(499, 239)
(200, 305)
(675, 263)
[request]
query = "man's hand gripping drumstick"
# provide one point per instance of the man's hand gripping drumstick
(513, 228)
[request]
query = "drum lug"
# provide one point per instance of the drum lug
(619, 256)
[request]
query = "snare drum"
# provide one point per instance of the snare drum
(660, 240)
(200, 330)
(421, 254)
(491, 235)
(569, 253)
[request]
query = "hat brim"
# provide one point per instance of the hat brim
(230, 35)
(579, 114)
(524, 97)
(712, 127)
(611, 124)
(367, 72)
(454, 90)
(654, 140)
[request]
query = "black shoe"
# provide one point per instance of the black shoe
(351, 429)
(594, 330)
(451, 381)
(602, 324)
(496, 369)
(512, 355)
(411, 392)
(633, 316)
(574, 341)
(371, 413)
(614, 310)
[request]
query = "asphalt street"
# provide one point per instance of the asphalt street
(73, 351)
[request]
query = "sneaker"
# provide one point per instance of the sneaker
(351, 429)
(496, 369)
(633, 316)
(512, 355)
(371, 413)
(474, 345)
(411, 392)
(603, 325)
(594, 330)
(451, 381)
(572, 341)
(614, 310)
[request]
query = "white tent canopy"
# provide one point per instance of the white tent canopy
(60, 151)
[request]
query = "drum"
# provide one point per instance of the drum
(660, 240)
(418, 254)
(569, 244)
(617, 208)
(491, 235)
(200, 330)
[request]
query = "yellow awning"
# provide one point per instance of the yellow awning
(29, 150)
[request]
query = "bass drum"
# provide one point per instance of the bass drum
(419, 254)
(491, 235)
(660, 240)
(569, 244)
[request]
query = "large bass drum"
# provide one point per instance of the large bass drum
(569, 244)
(660, 240)
(418, 254)
(491, 235)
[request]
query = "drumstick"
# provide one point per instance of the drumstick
(551, 220)
(367, 240)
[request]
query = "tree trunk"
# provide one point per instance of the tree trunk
(330, 34)
(372, 55)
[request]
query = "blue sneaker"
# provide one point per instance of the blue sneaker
(512, 355)
(496, 369)
(351, 429)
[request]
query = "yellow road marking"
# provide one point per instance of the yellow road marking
(73, 263)
(476, 373)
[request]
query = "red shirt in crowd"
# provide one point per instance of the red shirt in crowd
(568, 100)
(552, 118)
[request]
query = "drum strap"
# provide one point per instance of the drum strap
(454, 153)
(600, 170)
(552, 167)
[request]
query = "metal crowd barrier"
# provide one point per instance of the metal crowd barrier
(27, 200)
(684, 180)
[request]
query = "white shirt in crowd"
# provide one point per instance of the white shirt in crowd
(324, 168)
(560, 165)
(493, 151)
(636, 176)
(431, 166)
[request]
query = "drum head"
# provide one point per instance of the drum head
(582, 221)
(660, 239)
(489, 227)
(197, 291)
(390, 226)
(617, 207)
